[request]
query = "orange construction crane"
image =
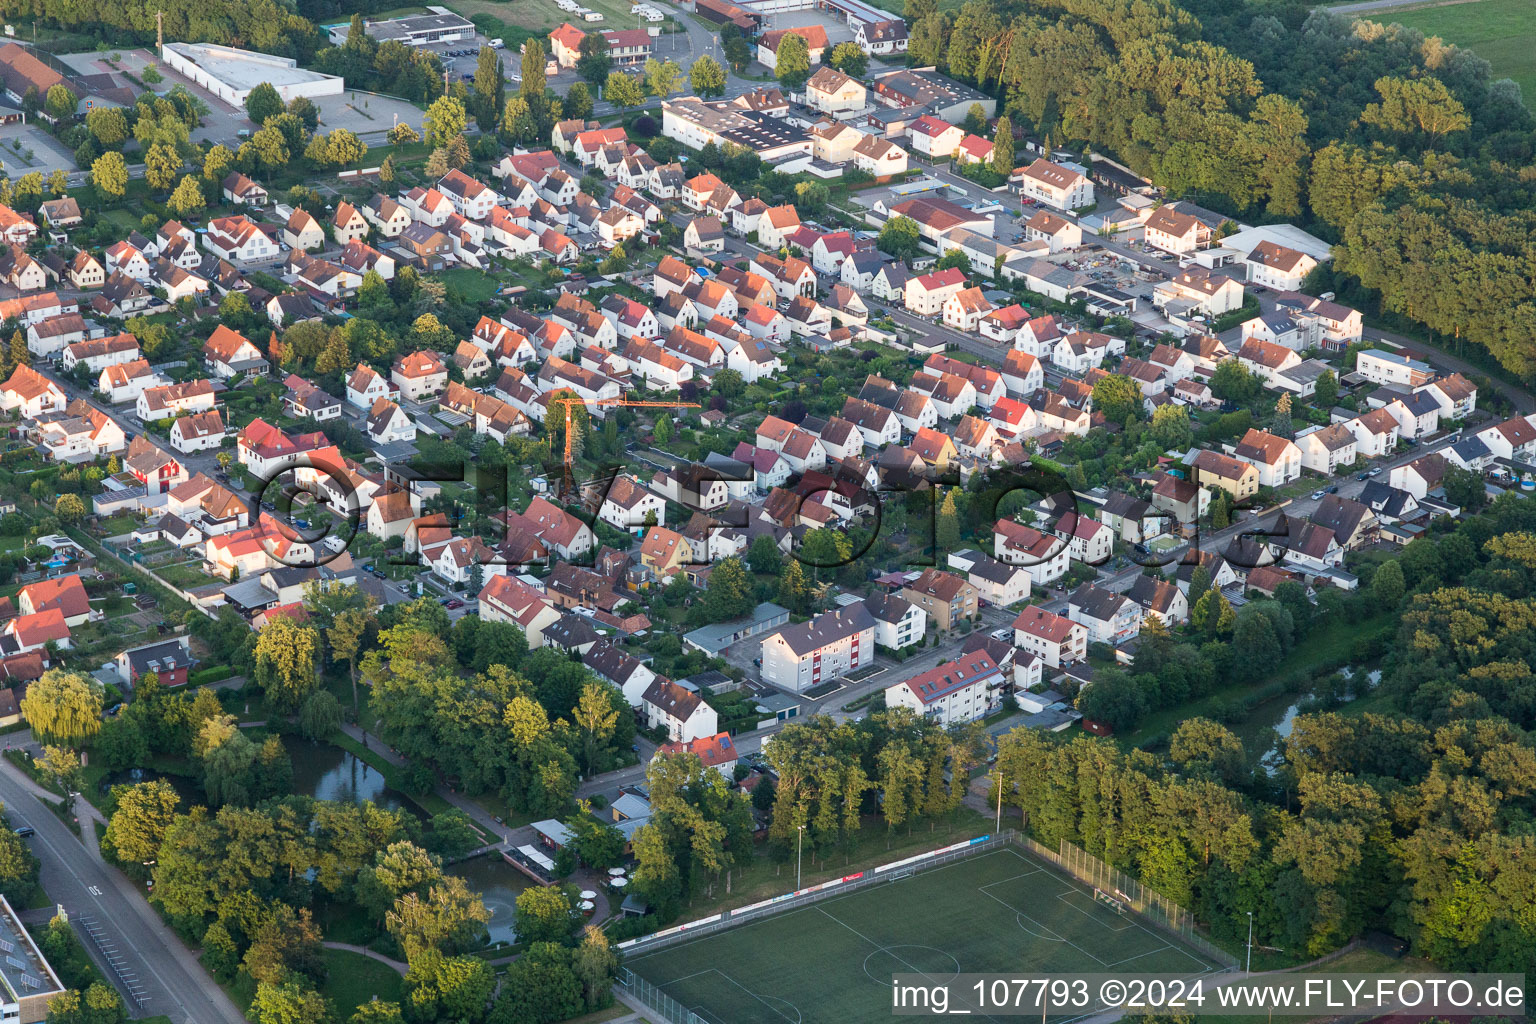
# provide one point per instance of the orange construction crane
(570, 479)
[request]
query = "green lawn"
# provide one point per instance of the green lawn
(475, 285)
(355, 979)
(1502, 32)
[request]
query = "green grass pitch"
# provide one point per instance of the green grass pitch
(831, 962)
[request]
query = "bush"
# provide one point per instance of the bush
(211, 674)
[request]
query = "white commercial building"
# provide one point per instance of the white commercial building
(231, 74)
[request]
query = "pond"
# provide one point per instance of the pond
(185, 786)
(326, 772)
(1264, 731)
(498, 884)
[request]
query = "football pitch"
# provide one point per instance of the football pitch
(831, 962)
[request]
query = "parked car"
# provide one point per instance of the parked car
(1005, 634)
(454, 603)
(1317, 495)
(24, 830)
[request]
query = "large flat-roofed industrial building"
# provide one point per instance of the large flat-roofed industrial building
(27, 983)
(439, 26)
(231, 74)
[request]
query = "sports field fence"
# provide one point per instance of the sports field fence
(1156, 909)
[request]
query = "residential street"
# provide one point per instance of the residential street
(172, 980)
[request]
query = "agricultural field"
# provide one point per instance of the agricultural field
(1502, 32)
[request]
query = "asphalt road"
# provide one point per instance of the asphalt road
(174, 982)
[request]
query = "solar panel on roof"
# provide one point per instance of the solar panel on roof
(31, 982)
(7, 945)
(18, 964)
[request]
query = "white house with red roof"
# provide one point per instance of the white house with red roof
(34, 632)
(508, 599)
(934, 138)
(927, 295)
(952, 692)
(65, 593)
(419, 375)
(973, 149)
(717, 752)
(1045, 556)
(1056, 186)
(1054, 639)
(365, 385)
(471, 198)
(237, 239)
(30, 394)
(229, 352)
(964, 309)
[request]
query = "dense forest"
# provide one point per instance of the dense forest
(1403, 149)
(1416, 814)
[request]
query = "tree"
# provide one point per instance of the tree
(1327, 390)
(449, 919)
(288, 1003)
(899, 237)
(263, 102)
(662, 431)
(1280, 423)
(1201, 746)
(662, 77)
(217, 163)
(286, 655)
(60, 102)
(161, 165)
(401, 133)
(764, 556)
(707, 77)
(849, 59)
(444, 121)
(578, 101)
(623, 90)
(187, 198)
(594, 62)
(793, 593)
(1387, 586)
(1171, 427)
(144, 814)
(534, 91)
(63, 707)
(1415, 106)
(109, 125)
(320, 715)
(1114, 700)
(956, 259)
(458, 154)
(1118, 397)
(728, 592)
(596, 965)
(792, 62)
(437, 162)
(1465, 488)
(110, 174)
(595, 718)
(1233, 382)
(346, 639)
(947, 526)
(1002, 148)
(545, 914)
(738, 52)
(70, 509)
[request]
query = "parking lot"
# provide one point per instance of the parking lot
(25, 148)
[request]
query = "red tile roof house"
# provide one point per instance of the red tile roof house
(420, 375)
(33, 632)
(66, 593)
(926, 295)
(717, 752)
(228, 352)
